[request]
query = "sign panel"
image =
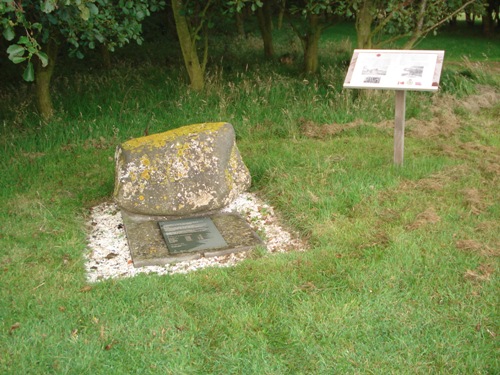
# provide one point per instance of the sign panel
(395, 70)
(191, 235)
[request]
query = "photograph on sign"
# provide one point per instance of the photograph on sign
(395, 69)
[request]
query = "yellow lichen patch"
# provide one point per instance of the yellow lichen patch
(160, 139)
(152, 250)
(141, 197)
(229, 179)
(145, 161)
(145, 175)
(182, 148)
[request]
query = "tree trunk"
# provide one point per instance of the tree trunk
(418, 32)
(240, 24)
(43, 76)
(470, 18)
(188, 47)
(281, 14)
(488, 22)
(364, 20)
(311, 45)
(453, 22)
(266, 28)
(106, 56)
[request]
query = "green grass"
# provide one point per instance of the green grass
(402, 272)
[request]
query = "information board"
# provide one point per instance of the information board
(415, 70)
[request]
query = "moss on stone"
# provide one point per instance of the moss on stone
(160, 139)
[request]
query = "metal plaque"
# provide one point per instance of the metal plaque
(191, 235)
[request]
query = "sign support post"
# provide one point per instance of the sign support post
(399, 127)
(399, 70)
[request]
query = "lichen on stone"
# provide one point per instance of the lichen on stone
(183, 171)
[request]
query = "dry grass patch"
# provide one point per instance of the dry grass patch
(430, 184)
(481, 273)
(380, 239)
(429, 216)
(436, 181)
(488, 226)
(444, 121)
(311, 130)
(474, 201)
(488, 97)
(476, 247)
(491, 168)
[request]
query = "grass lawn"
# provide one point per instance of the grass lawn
(402, 272)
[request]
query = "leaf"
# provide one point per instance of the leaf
(24, 40)
(9, 33)
(93, 9)
(44, 59)
(18, 59)
(15, 50)
(99, 37)
(139, 15)
(48, 6)
(84, 12)
(36, 26)
(86, 288)
(29, 73)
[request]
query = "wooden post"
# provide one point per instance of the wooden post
(399, 127)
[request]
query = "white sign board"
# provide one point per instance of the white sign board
(395, 70)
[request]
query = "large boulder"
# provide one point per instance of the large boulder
(181, 172)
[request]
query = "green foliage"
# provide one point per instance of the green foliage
(238, 5)
(82, 24)
(308, 7)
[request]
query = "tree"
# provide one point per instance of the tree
(490, 15)
(381, 22)
(309, 31)
(308, 25)
(36, 30)
(264, 16)
(192, 23)
(281, 14)
(263, 10)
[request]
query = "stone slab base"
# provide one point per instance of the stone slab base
(148, 247)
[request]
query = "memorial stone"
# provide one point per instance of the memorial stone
(181, 172)
(171, 188)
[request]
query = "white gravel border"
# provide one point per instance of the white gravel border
(109, 255)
